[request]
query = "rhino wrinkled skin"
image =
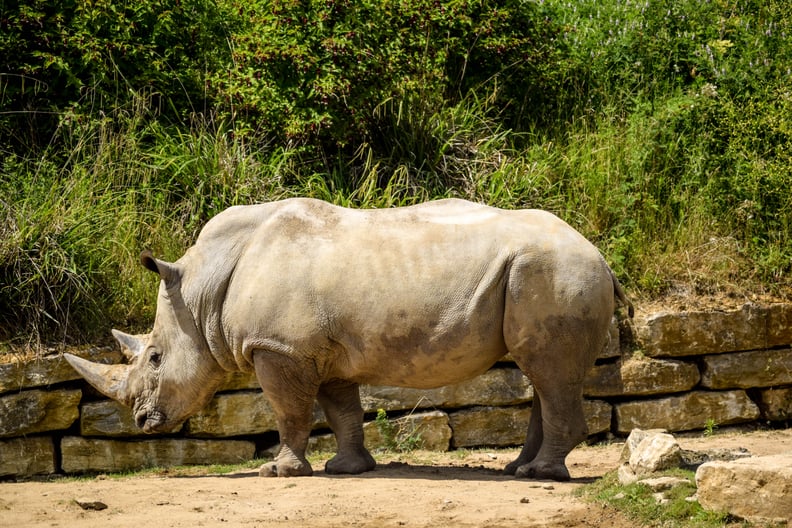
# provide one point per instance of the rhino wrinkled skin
(319, 299)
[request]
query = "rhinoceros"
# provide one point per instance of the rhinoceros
(318, 299)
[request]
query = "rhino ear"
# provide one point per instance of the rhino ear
(167, 271)
(131, 346)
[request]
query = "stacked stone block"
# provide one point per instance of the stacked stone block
(686, 371)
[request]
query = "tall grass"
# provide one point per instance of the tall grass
(665, 141)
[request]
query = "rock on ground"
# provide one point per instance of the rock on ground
(758, 489)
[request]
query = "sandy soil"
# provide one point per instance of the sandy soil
(421, 489)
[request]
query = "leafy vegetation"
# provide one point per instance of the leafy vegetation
(660, 130)
(638, 502)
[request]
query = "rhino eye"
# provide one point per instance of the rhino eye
(155, 358)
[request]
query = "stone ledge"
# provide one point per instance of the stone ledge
(686, 412)
(49, 370)
(641, 377)
(36, 411)
(81, 455)
(753, 327)
(746, 370)
(27, 456)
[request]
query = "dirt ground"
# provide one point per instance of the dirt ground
(421, 489)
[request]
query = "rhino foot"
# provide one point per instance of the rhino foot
(540, 471)
(350, 464)
(284, 468)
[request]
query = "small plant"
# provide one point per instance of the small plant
(399, 435)
(710, 427)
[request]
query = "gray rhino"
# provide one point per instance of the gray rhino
(319, 299)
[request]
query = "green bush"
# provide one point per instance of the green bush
(660, 130)
(92, 58)
(318, 71)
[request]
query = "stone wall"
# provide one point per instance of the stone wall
(682, 371)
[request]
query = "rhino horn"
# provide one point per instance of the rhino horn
(131, 346)
(110, 380)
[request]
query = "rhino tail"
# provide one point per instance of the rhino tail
(618, 291)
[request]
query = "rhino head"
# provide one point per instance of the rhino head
(171, 374)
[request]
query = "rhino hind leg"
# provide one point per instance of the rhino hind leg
(556, 361)
(340, 401)
(533, 440)
(563, 426)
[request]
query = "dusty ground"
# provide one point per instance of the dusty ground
(418, 490)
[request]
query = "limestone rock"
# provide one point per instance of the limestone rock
(108, 418)
(698, 333)
(49, 370)
(499, 386)
(655, 453)
(36, 411)
(233, 414)
(430, 429)
(746, 370)
(106, 455)
(507, 426)
(776, 404)
(641, 377)
(694, 459)
(613, 347)
(647, 452)
(90, 504)
(24, 457)
(599, 415)
(634, 439)
(758, 489)
(686, 412)
(779, 325)
(658, 484)
(489, 426)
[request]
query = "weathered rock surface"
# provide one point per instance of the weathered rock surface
(104, 455)
(49, 370)
(758, 489)
(641, 377)
(36, 411)
(108, 418)
(27, 456)
(651, 453)
(648, 452)
(635, 437)
(686, 412)
(428, 430)
(90, 504)
(505, 426)
(745, 370)
(233, 414)
(753, 327)
(500, 386)
(776, 404)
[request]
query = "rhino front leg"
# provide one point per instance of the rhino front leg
(292, 398)
(340, 401)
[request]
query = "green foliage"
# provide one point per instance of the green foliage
(660, 130)
(64, 59)
(638, 503)
(326, 67)
(398, 435)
